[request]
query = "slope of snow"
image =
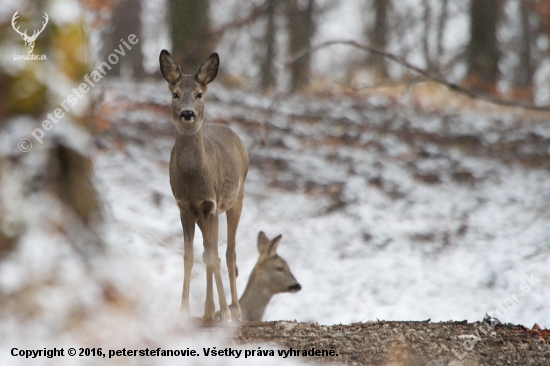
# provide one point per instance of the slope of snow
(395, 248)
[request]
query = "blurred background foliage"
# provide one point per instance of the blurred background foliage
(29, 90)
(29, 87)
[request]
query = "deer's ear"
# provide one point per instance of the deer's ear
(272, 249)
(263, 243)
(169, 68)
(208, 70)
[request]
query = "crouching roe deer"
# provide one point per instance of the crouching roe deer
(270, 276)
(208, 167)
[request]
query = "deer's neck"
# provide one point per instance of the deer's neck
(189, 150)
(254, 301)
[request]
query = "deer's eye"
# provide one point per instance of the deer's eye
(280, 269)
(175, 95)
(198, 96)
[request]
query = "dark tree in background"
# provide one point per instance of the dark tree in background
(408, 28)
(483, 53)
(427, 15)
(441, 24)
(301, 28)
(267, 66)
(192, 40)
(126, 21)
(543, 9)
(378, 38)
(523, 80)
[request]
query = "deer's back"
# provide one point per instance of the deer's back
(221, 141)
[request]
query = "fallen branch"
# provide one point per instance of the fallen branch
(455, 87)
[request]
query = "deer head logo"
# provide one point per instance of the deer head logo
(29, 41)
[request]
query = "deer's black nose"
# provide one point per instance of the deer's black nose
(295, 287)
(187, 115)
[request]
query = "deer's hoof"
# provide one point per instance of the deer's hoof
(225, 315)
(236, 312)
(208, 318)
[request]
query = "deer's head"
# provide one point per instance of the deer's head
(29, 40)
(188, 91)
(272, 272)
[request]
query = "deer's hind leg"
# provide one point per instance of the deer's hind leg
(233, 217)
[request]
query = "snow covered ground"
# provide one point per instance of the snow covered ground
(375, 225)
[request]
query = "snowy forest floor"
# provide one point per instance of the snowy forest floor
(389, 210)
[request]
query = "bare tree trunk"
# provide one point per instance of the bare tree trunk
(543, 11)
(523, 76)
(301, 28)
(483, 55)
(378, 38)
(192, 40)
(125, 21)
(8, 241)
(442, 22)
(267, 67)
(425, 41)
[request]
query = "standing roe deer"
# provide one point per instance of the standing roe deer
(270, 276)
(208, 166)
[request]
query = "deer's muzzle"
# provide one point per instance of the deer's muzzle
(295, 288)
(188, 115)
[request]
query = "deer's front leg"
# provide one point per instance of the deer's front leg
(209, 305)
(188, 225)
(209, 228)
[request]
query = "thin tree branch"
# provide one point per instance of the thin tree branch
(453, 86)
(255, 13)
